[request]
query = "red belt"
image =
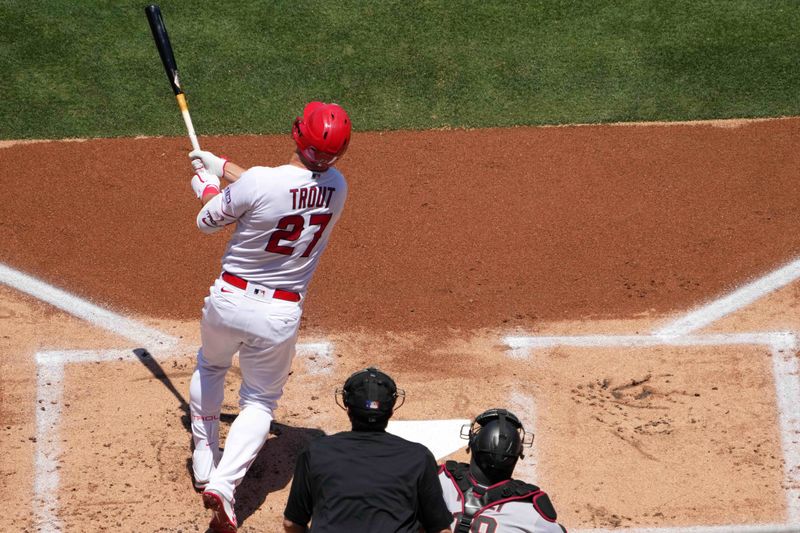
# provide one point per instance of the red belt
(280, 294)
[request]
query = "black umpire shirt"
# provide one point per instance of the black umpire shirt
(365, 481)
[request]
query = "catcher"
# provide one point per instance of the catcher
(482, 495)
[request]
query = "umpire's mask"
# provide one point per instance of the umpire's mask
(370, 396)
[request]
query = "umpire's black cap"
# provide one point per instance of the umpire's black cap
(370, 395)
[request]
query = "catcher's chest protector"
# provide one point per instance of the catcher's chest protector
(477, 498)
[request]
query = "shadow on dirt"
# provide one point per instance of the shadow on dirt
(273, 468)
(147, 359)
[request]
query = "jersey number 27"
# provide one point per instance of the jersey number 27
(289, 229)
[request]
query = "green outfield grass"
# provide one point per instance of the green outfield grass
(75, 68)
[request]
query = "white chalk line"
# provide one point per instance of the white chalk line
(787, 394)
(738, 299)
(50, 378)
(518, 404)
(520, 345)
(96, 315)
(49, 391)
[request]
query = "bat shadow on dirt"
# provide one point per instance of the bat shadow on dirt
(147, 359)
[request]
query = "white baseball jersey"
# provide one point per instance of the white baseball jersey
(502, 517)
(285, 216)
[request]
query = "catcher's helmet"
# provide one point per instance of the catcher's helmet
(370, 395)
(496, 440)
(322, 135)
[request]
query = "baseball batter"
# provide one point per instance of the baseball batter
(482, 496)
(284, 217)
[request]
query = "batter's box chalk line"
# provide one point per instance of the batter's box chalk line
(50, 367)
(680, 332)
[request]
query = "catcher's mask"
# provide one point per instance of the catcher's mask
(496, 440)
(322, 135)
(370, 395)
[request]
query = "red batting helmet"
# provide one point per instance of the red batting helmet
(322, 135)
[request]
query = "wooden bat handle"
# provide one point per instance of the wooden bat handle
(164, 46)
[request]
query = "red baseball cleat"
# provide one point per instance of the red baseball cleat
(224, 519)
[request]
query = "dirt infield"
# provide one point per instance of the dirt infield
(450, 241)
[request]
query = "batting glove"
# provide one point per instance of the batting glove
(204, 182)
(213, 163)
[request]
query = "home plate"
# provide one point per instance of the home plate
(441, 437)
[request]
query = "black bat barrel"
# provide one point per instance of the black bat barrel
(164, 46)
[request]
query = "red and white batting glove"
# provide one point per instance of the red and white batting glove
(213, 163)
(204, 182)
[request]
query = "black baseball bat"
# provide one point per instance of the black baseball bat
(161, 37)
(164, 46)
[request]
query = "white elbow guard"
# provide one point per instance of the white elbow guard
(207, 223)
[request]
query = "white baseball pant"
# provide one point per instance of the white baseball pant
(264, 331)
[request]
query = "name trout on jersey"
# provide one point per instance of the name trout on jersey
(302, 198)
(309, 197)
